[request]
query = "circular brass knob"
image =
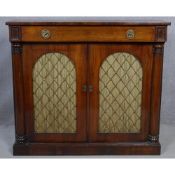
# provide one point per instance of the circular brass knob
(45, 33)
(130, 34)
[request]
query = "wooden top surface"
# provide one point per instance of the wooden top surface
(88, 23)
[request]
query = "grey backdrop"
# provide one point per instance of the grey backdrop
(6, 91)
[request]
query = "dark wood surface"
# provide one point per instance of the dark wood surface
(156, 89)
(135, 148)
(84, 22)
(18, 90)
(88, 34)
(86, 50)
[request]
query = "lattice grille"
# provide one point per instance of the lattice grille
(120, 89)
(54, 93)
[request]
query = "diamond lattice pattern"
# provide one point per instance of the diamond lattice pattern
(120, 89)
(54, 93)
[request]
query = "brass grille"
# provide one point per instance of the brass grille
(54, 93)
(120, 89)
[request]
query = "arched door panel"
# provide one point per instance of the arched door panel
(119, 103)
(55, 103)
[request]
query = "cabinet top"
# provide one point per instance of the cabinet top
(88, 23)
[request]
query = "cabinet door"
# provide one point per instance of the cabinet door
(55, 104)
(119, 102)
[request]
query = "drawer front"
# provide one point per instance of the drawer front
(88, 34)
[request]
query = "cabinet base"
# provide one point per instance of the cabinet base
(143, 148)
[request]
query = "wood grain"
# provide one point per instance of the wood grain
(53, 149)
(76, 53)
(88, 34)
(87, 44)
(92, 22)
(97, 55)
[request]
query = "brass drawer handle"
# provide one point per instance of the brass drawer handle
(130, 34)
(45, 33)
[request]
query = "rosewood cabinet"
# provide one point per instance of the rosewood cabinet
(87, 87)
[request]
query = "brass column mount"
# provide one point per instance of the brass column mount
(153, 139)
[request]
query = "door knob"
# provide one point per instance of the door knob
(84, 88)
(90, 88)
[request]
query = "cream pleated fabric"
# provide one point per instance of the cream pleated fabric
(120, 89)
(54, 94)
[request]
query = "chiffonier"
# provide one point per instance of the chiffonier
(84, 88)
